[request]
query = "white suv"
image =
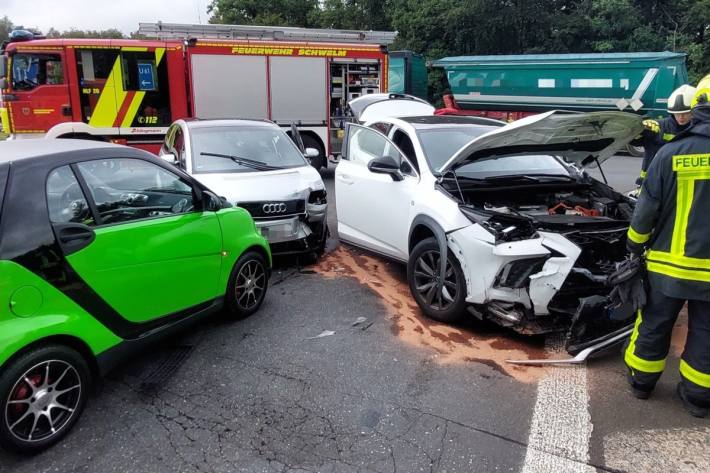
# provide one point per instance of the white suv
(527, 237)
(254, 164)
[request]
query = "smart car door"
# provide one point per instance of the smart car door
(143, 244)
(374, 183)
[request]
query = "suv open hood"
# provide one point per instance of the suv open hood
(377, 106)
(580, 138)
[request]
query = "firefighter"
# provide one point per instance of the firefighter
(672, 224)
(659, 132)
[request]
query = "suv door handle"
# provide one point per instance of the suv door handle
(73, 236)
(345, 179)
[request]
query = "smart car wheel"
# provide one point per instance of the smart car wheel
(247, 285)
(423, 275)
(43, 394)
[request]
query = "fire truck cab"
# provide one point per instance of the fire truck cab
(130, 91)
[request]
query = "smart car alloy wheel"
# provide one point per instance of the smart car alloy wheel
(43, 400)
(251, 284)
(247, 285)
(43, 395)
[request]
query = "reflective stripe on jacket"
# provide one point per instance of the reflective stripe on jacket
(652, 140)
(672, 215)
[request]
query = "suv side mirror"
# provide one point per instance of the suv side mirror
(212, 203)
(170, 158)
(386, 165)
(311, 153)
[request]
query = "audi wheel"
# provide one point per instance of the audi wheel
(43, 394)
(247, 285)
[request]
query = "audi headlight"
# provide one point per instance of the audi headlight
(318, 197)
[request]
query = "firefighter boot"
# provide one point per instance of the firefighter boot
(645, 355)
(693, 409)
(694, 388)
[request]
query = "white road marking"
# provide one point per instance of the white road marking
(682, 450)
(561, 425)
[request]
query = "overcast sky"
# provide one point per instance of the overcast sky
(101, 14)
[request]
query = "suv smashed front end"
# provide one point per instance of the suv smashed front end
(543, 266)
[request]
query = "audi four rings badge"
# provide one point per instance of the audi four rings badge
(274, 208)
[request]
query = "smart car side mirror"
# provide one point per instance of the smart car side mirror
(170, 158)
(212, 203)
(311, 153)
(386, 165)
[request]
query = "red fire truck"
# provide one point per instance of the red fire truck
(129, 91)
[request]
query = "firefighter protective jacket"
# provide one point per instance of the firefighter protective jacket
(672, 218)
(656, 134)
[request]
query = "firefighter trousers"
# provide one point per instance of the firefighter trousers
(650, 341)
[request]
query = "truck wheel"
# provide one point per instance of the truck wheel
(247, 285)
(423, 276)
(43, 394)
(320, 160)
(635, 151)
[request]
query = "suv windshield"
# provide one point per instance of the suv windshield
(514, 165)
(441, 143)
(267, 145)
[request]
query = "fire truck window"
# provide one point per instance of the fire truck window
(32, 70)
(94, 67)
(142, 75)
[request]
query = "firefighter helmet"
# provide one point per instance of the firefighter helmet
(702, 93)
(680, 99)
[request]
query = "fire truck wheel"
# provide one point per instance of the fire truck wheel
(320, 160)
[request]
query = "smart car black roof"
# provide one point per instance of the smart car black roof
(61, 150)
(17, 150)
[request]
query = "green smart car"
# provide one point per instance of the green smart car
(104, 248)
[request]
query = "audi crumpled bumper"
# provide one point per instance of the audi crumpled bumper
(292, 226)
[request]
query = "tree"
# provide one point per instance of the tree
(5, 27)
(356, 14)
(111, 33)
(265, 12)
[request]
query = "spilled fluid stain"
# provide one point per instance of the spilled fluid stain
(477, 343)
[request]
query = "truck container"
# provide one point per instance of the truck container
(407, 74)
(637, 82)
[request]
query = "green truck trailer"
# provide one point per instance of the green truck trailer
(407, 74)
(510, 87)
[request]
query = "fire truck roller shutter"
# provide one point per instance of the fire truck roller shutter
(229, 86)
(298, 90)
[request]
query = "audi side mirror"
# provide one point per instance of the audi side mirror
(170, 158)
(311, 153)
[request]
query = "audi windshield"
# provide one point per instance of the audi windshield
(255, 148)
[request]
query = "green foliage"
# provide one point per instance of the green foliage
(265, 12)
(5, 27)
(439, 28)
(111, 33)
